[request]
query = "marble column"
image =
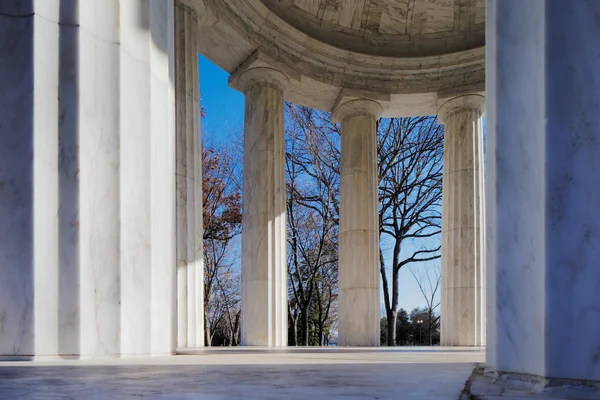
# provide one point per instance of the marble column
(463, 277)
(190, 255)
(358, 301)
(264, 262)
(87, 177)
(543, 158)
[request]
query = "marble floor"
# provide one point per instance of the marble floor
(482, 386)
(250, 373)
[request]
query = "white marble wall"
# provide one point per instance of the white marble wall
(543, 94)
(358, 301)
(264, 245)
(463, 277)
(88, 164)
(190, 255)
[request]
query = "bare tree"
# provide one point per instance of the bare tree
(410, 171)
(410, 153)
(428, 278)
(312, 210)
(222, 224)
(228, 311)
(222, 294)
(326, 293)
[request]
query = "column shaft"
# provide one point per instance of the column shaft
(542, 171)
(87, 160)
(264, 262)
(190, 254)
(462, 301)
(359, 232)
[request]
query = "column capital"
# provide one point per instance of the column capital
(449, 106)
(356, 107)
(262, 69)
(262, 75)
(203, 11)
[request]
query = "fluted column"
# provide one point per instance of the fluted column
(543, 158)
(264, 262)
(358, 274)
(463, 292)
(190, 256)
(87, 177)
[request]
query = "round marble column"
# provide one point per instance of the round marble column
(264, 262)
(543, 158)
(358, 299)
(462, 295)
(87, 178)
(190, 255)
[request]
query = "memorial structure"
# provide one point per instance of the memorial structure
(101, 183)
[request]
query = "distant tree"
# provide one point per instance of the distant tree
(410, 192)
(326, 297)
(312, 172)
(222, 217)
(424, 333)
(404, 330)
(383, 332)
(221, 194)
(410, 154)
(428, 278)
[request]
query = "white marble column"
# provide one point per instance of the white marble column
(358, 301)
(264, 262)
(463, 277)
(543, 148)
(147, 177)
(87, 211)
(190, 255)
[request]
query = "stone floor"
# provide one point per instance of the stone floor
(330, 373)
(486, 387)
(293, 373)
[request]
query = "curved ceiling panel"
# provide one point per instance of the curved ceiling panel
(394, 28)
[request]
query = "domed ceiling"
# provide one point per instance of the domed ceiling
(394, 28)
(404, 54)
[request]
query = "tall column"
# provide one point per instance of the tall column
(87, 176)
(462, 294)
(190, 255)
(543, 151)
(264, 262)
(358, 275)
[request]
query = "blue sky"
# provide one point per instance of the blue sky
(224, 108)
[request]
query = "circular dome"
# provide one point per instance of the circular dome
(393, 28)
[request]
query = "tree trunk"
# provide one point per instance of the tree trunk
(391, 327)
(321, 339)
(386, 297)
(207, 337)
(304, 321)
(320, 306)
(294, 336)
(237, 329)
(430, 316)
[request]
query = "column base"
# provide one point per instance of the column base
(486, 381)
